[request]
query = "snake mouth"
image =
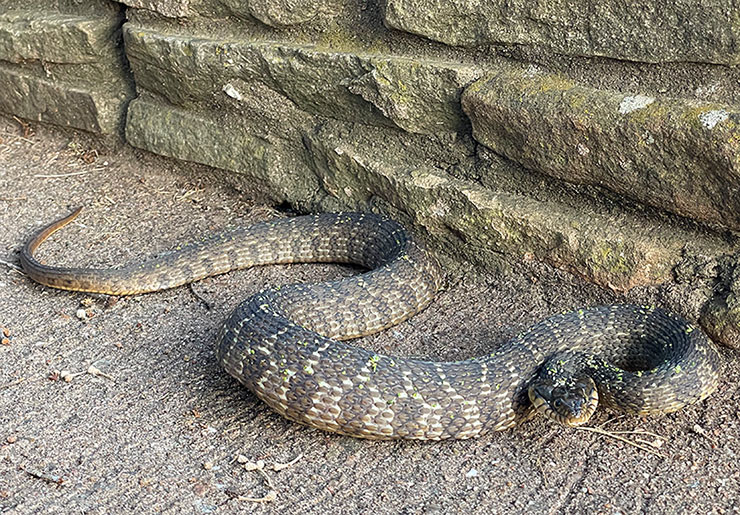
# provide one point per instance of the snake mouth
(567, 410)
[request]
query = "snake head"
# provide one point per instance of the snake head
(569, 402)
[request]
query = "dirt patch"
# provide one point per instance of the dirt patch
(156, 425)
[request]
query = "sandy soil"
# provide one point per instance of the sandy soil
(156, 426)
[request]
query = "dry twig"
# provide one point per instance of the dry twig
(61, 175)
(616, 436)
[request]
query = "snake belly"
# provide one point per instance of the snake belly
(287, 344)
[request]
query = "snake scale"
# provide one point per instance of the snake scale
(287, 344)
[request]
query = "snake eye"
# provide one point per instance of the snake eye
(557, 403)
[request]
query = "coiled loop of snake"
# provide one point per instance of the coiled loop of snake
(286, 346)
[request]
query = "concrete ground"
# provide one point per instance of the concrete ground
(111, 406)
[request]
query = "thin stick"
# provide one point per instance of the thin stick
(14, 383)
(271, 496)
(621, 439)
(613, 419)
(200, 298)
(12, 266)
(54, 480)
(638, 432)
(61, 175)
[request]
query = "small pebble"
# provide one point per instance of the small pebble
(5, 341)
(12, 439)
(81, 314)
(254, 466)
(657, 443)
(208, 465)
(6, 331)
(471, 473)
(242, 459)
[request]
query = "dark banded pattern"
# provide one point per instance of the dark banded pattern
(286, 346)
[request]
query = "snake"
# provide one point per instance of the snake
(289, 344)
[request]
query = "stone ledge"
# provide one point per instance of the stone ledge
(639, 31)
(195, 137)
(86, 108)
(250, 145)
(679, 155)
(332, 169)
(418, 96)
(170, 8)
(618, 251)
(54, 37)
(284, 13)
(721, 316)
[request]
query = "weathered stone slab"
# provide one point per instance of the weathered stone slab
(193, 136)
(332, 166)
(721, 316)
(60, 63)
(54, 37)
(92, 8)
(256, 145)
(675, 154)
(171, 8)
(283, 13)
(656, 31)
(419, 96)
(329, 167)
(619, 251)
(91, 109)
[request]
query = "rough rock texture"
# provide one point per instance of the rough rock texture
(63, 64)
(54, 37)
(416, 95)
(689, 30)
(678, 154)
(82, 107)
(721, 316)
(171, 8)
(285, 12)
(331, 167)
(481, 224)
(261, 146)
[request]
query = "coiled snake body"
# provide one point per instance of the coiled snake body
(284, 343)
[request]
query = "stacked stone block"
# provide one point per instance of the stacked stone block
(62, 62)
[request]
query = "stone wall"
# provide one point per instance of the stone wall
(62, 62)
(602, 138)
